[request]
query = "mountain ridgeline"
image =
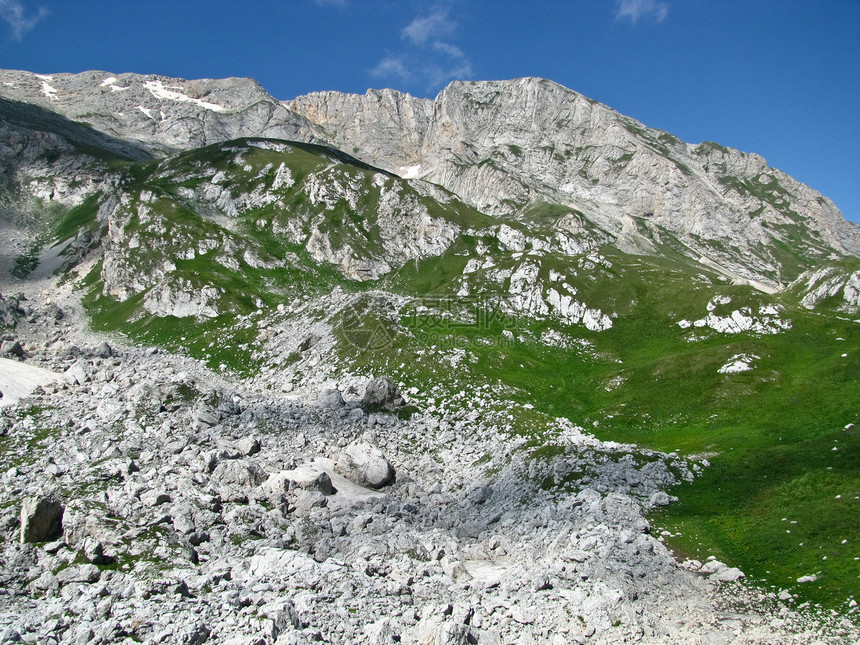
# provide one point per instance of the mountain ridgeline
(505, 148)
(511, 240)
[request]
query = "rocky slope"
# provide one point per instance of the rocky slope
(503, 146)
(153, 488)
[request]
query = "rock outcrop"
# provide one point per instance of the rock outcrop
(505, 146)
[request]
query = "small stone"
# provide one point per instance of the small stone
(521, 615)
(205, 418)
(660, 498)
(239, 472)
(330, 399)
(728, 574)
(76, 374)
(155, 498)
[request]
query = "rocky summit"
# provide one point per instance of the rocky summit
(501, 367)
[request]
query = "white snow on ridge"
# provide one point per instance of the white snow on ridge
(44, 77)
(146, 111)
(110, 82)
(409, 172)
(49, 91)
(157, 89)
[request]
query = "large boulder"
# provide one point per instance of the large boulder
(383, 393)
(366, 465)
(41, 519)
(11, 348)
(239, 472)
(330, 399)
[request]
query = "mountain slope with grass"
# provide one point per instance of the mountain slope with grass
(574, 311)
(504, 146)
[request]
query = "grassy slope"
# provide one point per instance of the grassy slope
(771, 432)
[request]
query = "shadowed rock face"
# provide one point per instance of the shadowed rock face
(41, 519)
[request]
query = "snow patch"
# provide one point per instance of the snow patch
(18, 380)
(409, 172)
(146, 111)
(159, 91)
(49, 91)
(110, 80)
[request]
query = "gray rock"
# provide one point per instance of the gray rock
(155, 497)
(248, 446)
(660, 498)
(727, 574)
(79, 573)
(330, 399)
(380, 633)
(383, 393)
(93, 551)
(365, 465)
(287, 617)
(239, 472)
(206, 418)
(41, 519)
(103, 350)
(77, 373)
(12, 348)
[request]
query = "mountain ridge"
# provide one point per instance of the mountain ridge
(702, 191)
(558, 146)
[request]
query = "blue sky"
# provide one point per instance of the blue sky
(776, 77)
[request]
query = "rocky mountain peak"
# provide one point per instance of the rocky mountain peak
(505, 146)
(162, 113)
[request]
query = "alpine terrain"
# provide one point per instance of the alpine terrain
(505, 366)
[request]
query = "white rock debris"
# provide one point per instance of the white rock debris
(174, 499)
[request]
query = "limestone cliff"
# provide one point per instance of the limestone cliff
(503, 146)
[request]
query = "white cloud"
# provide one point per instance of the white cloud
(438, 76)
(448, 49)
(391, 67)
(13, 12)
(636, 9)
(434, 25)
(429, 60)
